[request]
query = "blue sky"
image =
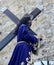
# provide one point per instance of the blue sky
(45, 62)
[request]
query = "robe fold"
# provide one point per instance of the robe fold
(25, 42)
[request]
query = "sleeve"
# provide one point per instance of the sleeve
(28, 36)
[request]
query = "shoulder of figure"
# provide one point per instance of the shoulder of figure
(23, 25)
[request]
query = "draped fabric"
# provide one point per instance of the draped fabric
(21, 53)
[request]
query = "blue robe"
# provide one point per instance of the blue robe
(21, 53)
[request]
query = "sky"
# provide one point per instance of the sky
(45, 62)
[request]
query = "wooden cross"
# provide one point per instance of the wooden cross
(11, 35)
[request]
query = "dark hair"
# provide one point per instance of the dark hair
(25, 20)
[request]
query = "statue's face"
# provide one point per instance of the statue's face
(30, 22)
